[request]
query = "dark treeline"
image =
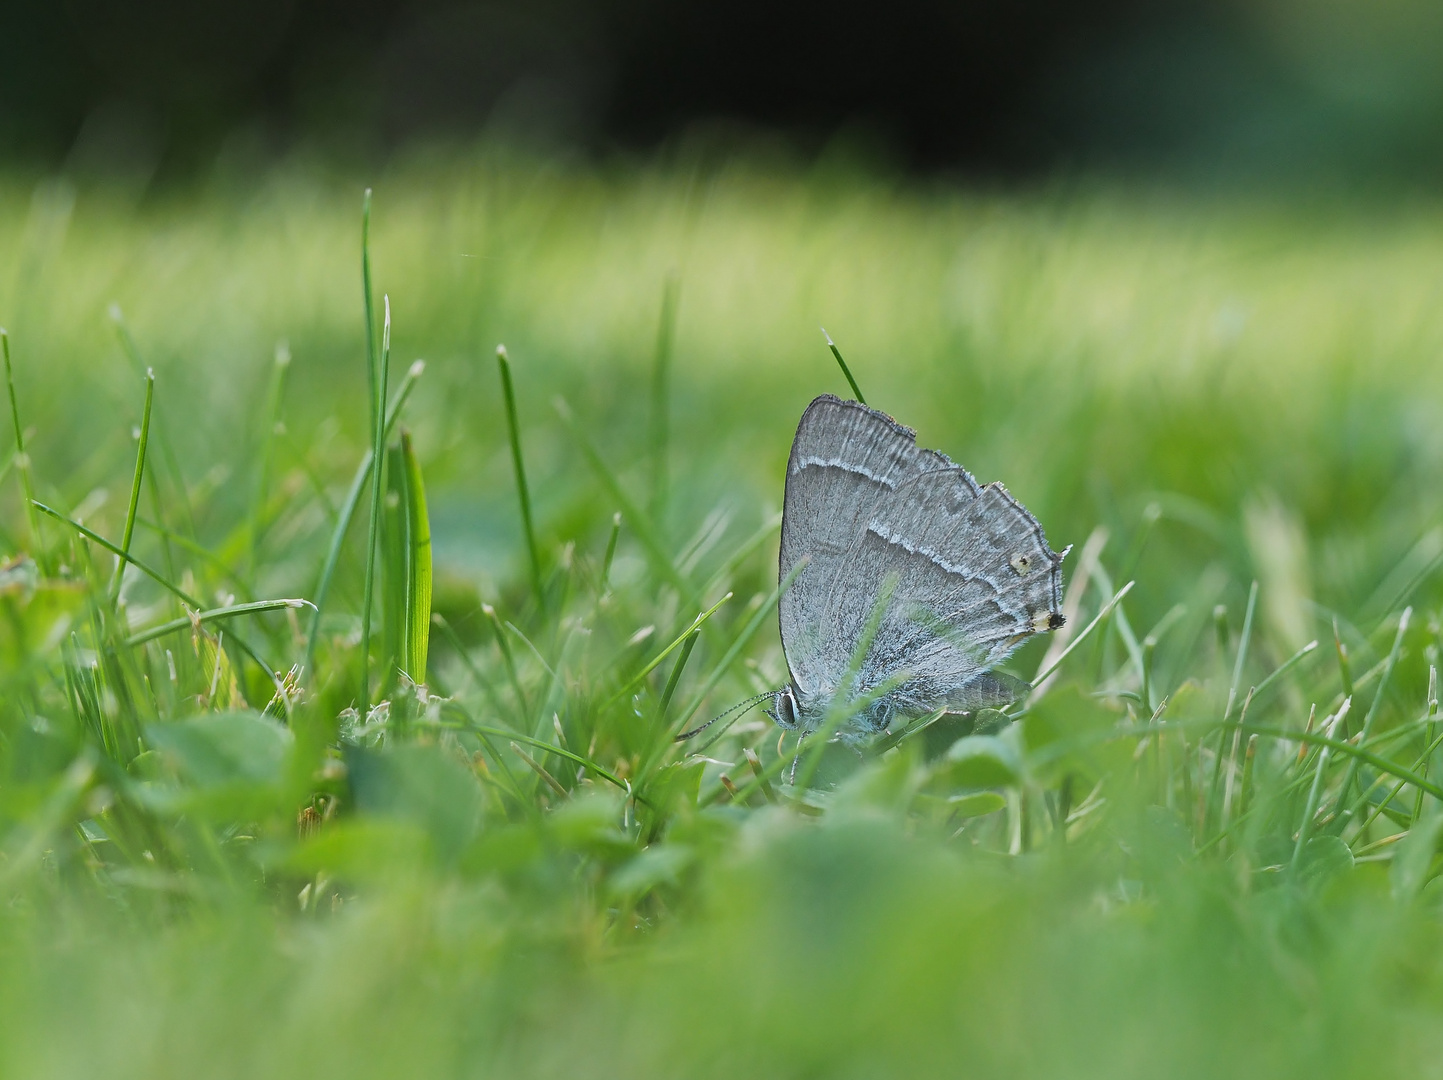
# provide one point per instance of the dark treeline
(984, 85)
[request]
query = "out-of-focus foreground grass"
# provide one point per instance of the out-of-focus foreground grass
(1206, 849)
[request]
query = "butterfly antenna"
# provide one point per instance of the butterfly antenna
(747, 704)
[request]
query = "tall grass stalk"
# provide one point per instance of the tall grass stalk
(661, 398)
(523, 493)
(378, 446)
(846, 371)
(133, 506)
(22, 460)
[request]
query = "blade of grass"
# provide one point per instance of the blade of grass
(569, 755)
(660, 396)
(677, 669)
(637, 679)
(1227, 727)
(275, 395)
(378, 446)
(348, 510)
(1372, 715)
(1344, 669)
(843, 365)
(523, 493)
(368, 306)
(1124, 626)
(213, 615)
(131, 349)
(22, 460)
(134, 504)
(1428, 735)
(1310, 808)
(1283, 668)
(610, 551)
(507, 658)
(1420, 766)
(1043, 675)
(417, 638)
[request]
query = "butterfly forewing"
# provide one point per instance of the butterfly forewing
(846, 460)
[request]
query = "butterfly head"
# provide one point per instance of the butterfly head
(784, 710)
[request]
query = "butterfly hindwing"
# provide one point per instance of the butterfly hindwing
(969, 571)
(975, 577)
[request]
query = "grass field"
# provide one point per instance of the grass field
(241, 844)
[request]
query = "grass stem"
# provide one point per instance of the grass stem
(661, 397)
(22, 459)
(134, 505)
(523, 493)
(836, 352)
(378, 447)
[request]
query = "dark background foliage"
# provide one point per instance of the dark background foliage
(988, 86)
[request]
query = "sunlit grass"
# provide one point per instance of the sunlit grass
(236, 840)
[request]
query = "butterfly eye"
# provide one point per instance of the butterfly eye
(1021, 563)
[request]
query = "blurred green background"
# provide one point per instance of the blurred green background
(1171, 275)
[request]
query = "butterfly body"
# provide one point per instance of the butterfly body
(909, 581)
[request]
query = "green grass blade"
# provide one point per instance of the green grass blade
(671, 682)
(395, 570)
(661, 397)
(499, 632)
(131, 349)
(610, 551)
(1244, 641)
(836, 352)
(551, 748)
(417, 638)
(523, 493)
(1370, 717)
(1310, 808)
(378, 446)
(1432, 722)
(213, 615)
(22, 460)
(275, 397)
(1046, 673)
(1124, 625)
(134, 504)
(637, 679)
(368, 307)
(1345, 671)
(1283, 668)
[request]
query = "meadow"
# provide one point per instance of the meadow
(271, 806)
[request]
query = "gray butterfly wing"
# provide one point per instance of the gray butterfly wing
(971, 572)
(974, 577)
(846, 462)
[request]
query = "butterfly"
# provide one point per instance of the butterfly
(906, 582)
